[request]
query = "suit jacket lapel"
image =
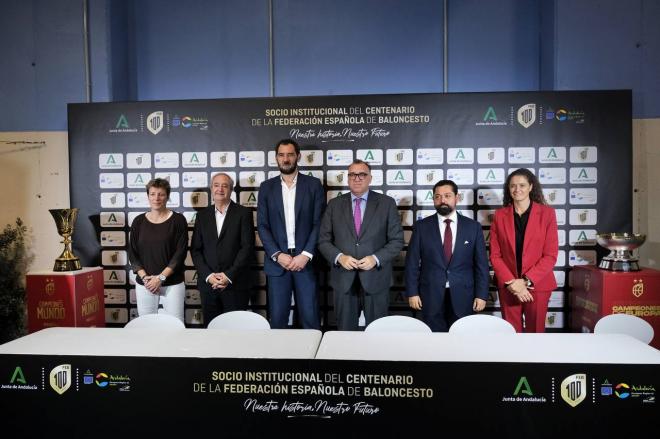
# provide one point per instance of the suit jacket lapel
(461, 233)
(532, 227)
(301, 196)
(278, 200)
(347, 208)
(509, 228)
(369, 212)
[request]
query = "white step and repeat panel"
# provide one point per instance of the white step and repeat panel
(579, 144)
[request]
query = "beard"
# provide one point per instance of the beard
(444, 209)
(288, 170)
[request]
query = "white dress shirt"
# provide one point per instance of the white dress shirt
(289, 200)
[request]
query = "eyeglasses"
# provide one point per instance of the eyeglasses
(359, 176)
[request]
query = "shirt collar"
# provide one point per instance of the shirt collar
(364, 196)
(295, 179)
(452, 216)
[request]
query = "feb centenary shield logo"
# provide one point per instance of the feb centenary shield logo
(574, 389)
(60, 378)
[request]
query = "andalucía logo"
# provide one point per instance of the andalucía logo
(523, 393)
(17, 381)
(122, 126)
(490, 119)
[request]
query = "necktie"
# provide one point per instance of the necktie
(357, 216)
(446, 242)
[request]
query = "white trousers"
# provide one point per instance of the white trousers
(171, 297)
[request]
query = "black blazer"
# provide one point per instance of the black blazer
(232, 252)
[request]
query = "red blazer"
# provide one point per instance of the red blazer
(539, 250)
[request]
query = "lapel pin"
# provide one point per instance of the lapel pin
(466, 242)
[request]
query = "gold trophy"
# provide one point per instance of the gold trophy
(64, 220)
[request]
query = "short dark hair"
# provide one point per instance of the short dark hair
(360, 162)
(535, 195)
(453, 185)
(288, 142)
(159, 183)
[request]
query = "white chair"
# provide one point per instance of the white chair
(397, 324)
(239, 320)
(160, 321)
(480, 324)
(625, 324)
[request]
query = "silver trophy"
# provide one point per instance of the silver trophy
(620, 246)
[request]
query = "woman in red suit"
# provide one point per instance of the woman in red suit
(523, 252)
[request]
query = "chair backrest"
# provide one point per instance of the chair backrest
(481, 324)
(163, 321)
(397, 324)
(625, 324)
(239, 320)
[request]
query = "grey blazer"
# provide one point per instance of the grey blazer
(381, 234)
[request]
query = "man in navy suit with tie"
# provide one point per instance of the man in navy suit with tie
(446, 265)
(288, 219)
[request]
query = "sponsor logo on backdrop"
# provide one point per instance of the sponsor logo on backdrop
(583, 154)
(527, 115)
(137, 180)
(584, 175)
(461, 176)
(372, 156)
(111, 161)
(155, 122)
(429, 156)
(399, 177)
(140, 160)
(582, 237)
(565, 115)
(522, 155)
(109, 180)
(401, 156)
(197, 122)
(490, 197)
(122, 125)
(401, 197)
(552, 154)
(428, 177)
(460, 156)
(251, 159)
(490, 155)
(581, 257)
(552, 175)
(197, 159)
(583, 196)
(424, 197)
(490, 176)
(60, 378)
(490, 119)
(166, 160)
(573, 389)
(223, 159)
(114, 277)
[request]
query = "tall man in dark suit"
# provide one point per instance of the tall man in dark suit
(360, 235)
(222, 250)
(288, 219)
(446, 265)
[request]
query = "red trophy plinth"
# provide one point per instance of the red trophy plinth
(598, 292)
(65, 298)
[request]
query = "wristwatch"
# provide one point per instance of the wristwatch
(528, 282)
(162, 277)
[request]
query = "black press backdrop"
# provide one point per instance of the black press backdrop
(577, 143)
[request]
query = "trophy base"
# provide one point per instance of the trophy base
(614, 265)
(67, 265)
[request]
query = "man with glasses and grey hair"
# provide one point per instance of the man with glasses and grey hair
(222, 250)
(360, 235)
